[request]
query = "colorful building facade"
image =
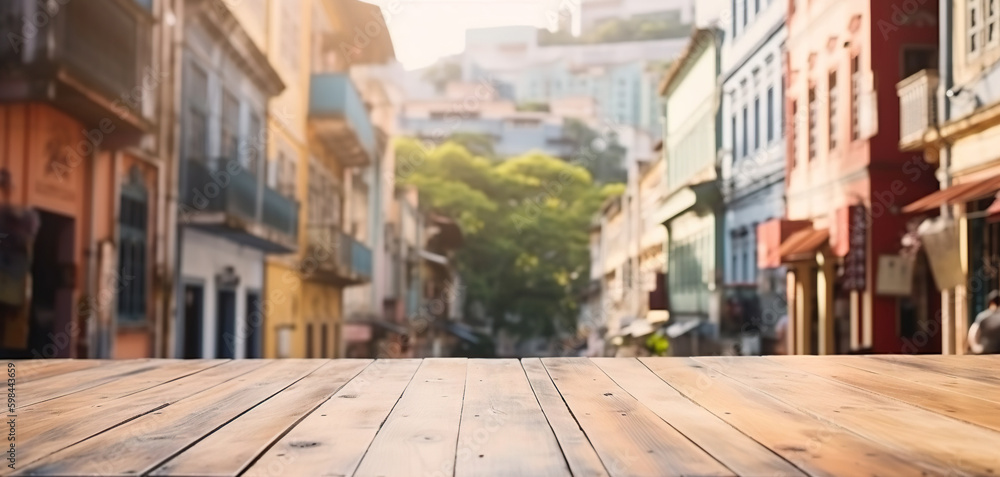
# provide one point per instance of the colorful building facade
(843, 232)
(84, 173)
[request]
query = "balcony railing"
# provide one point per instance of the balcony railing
(917, 107)
(220, 194)
(340, 119)
(336, 256)
(81, 56)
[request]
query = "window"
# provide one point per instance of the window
(255, 145)
(991, 24)
(770, 114)
(794, 133)
(746, 148)
(732, 11)
(133, 224)
(196, 134)
(832, 108)
(733, 133)
(813, 119)
(746, 13)
(756, 123)
(855, 98)
(756, 7)
(975, 32)
(230, 126)
(284, 342)
(916, 59)
(324, 341)
(309, 341)
(290, 33)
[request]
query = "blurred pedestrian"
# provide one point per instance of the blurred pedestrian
(984, 334)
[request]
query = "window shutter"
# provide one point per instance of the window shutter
(868, 106)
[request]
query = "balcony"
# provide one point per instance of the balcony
(339, 119)
(89, 59)
(335, 257)
(224, 198)
(917, 108)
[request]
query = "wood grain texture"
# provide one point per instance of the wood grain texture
(158, 376)
(903, 387)
(229, 450)
(420, 436)
(628, 437)
(728, 445)
(503, 431)
(980, 369)
(943, 444)
(138, 446)
(576, 448)
(33, 392)
(34, 370)
(817, 446)
(332, 439)
(45, 431)
(823, 415)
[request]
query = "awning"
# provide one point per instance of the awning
(993, 211)
(433, 257)
(385, 325)
(956, 194)
(770, 236)
(657, 316)
(640, 327)
(682, 327)
(802, 245)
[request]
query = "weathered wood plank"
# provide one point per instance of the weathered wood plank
(37, 369)
(919, 435)
(420, 436)
(978, 369)
(628, 437)
(333, 438)
(902, 386)
(43, 432)
(942, 381)
(59, 385)
(229, 450)
(503, 431)
(576, 448)
(732, 448)
(160, 375)
(138, 446)
(817, 446)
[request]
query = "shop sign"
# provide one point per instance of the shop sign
(855, 263)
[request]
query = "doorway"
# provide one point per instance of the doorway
(194, 301)
(254, 323)
(225, 332)
(52, 283)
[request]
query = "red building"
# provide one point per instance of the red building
(850, 286)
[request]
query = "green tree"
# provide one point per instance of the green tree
(604, 156)
(478, 144)
(525, 221)
(442, 73)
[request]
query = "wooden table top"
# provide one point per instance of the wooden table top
(832, 415)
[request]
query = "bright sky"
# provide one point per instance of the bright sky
(425, 30)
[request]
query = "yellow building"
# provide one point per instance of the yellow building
(320, 139)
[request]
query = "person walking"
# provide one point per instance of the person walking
(984, 334)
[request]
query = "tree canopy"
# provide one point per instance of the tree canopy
(525, 220)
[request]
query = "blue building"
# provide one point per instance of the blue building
(753, 165)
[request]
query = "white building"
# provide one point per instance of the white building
(232, 210)
(753, 165)
(593, 12)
